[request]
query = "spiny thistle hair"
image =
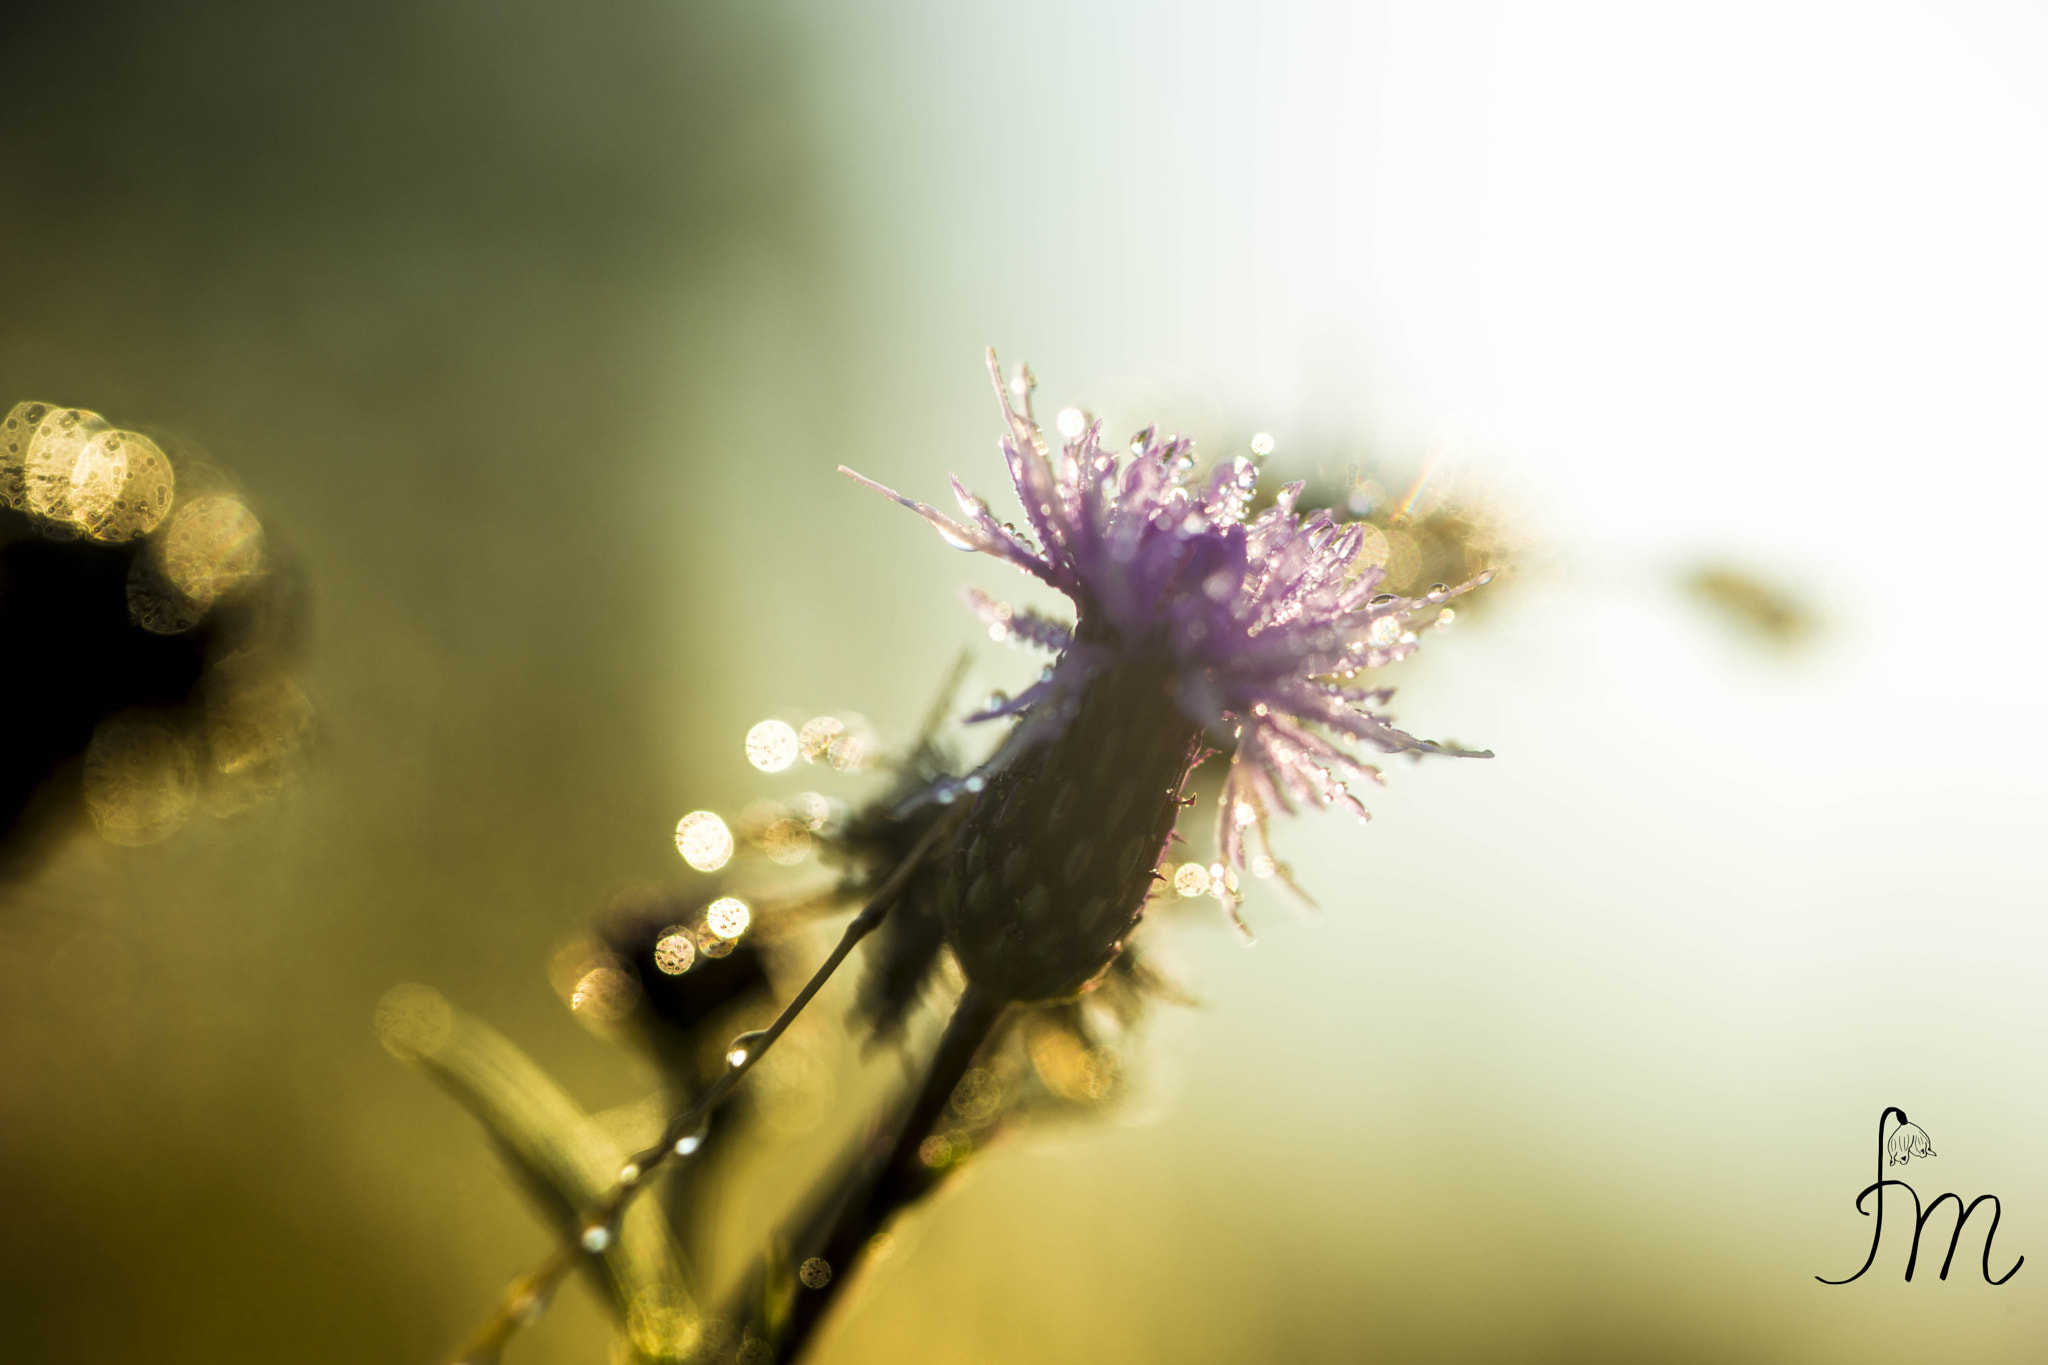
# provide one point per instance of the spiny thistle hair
(1196, 625)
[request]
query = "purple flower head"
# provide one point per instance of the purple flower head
(1262, 623)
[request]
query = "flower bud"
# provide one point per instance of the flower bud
(1054, 864)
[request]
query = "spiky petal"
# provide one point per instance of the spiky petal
(1256, 625)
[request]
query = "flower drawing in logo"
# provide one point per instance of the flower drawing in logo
(1907, 1141)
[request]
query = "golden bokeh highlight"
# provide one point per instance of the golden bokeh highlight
(141, 782)
(817, 736)
(772, 746)
(814, 809)
(121, 486)
(675, 952)
(663, 1324)
(787, 842)
(1191, 879)
(49, 459)
(1071, 1069)
(604, 995)
(259, 725)
(704, 841)
(16, 429)
(728, 917)
(212, 544)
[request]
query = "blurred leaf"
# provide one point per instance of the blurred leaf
(570, 1161)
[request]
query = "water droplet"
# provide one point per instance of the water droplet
(1263, 866)
(1071, 422)
(975, 782)
(771, 746)
(688, 1143)
(1444, 618)
(954, 538)
(743, 1047)
(997, 699)
(1381, 599)
(596, 1238)
(629, 1174)
(1262, 444)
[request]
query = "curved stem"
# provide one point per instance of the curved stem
(528, 1294)
(903, 1177)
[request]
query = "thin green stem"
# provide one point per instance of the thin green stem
(903, 1177)
(524, 1298)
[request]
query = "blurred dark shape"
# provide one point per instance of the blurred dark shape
(676, 1005)
(1753, 604)
(903, 953)
(127, 697)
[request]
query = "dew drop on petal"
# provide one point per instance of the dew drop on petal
(596, 1238)
(688, 1143)
(629, 1174)
(728, 917)
(771, 746)
(704, 841)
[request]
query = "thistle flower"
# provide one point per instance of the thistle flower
(1195, 625)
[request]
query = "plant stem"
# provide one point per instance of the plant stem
(903, 1177)
(525, 1296)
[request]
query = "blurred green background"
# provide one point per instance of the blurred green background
(533, 333)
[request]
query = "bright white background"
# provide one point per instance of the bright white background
(1584, 1052)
